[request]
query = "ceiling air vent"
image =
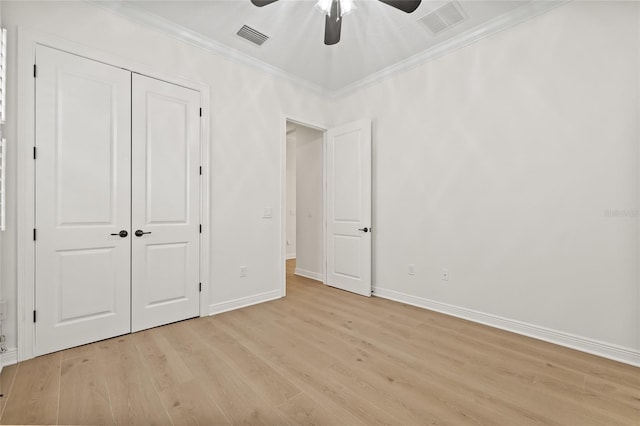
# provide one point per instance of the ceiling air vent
(254, 36)
(443, 18)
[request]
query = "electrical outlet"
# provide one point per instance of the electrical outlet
(445, 275)
(412, 269)
(243, 271)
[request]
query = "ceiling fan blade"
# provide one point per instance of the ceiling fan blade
(261, 3)
(404, 5)
(333, 25)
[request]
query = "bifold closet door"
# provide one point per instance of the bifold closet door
(165, 203)
(83, 166)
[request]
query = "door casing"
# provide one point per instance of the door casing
(27, 41)
(283, 191)
(283, 197)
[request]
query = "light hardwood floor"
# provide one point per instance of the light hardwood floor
(322, 356)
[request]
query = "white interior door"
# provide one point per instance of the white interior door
(83, 197)
(165, 200)
(348, 204)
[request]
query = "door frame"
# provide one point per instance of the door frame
(312, 124)
(27, 40)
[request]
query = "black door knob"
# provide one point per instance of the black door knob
(140, 233)
(122, 234)
(365, 229)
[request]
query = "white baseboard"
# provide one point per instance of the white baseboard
(218, 308)
(291, 256)
(595, 347)
(10, 357)
(309, 274)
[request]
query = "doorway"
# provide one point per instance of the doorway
(305, 201)
(345, 208)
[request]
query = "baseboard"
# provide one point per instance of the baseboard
(218, 308)
(291, 256)
(309, 274)
(10, 357)
(595, 347)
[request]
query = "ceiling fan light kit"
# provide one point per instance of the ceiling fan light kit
(336, 9)
(344, 7)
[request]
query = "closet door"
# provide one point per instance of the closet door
(82, 240)
(165, 203)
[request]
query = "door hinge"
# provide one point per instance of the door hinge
(34, 234)
(34, 316)
(201, 228)
(200, 112)
(34, 153)
(200, 170)
(200, 287)
(35, 71)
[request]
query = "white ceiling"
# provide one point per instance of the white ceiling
(375, 37)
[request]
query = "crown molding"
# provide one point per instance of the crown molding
(487, 29)
(496, 25)
(195, 39)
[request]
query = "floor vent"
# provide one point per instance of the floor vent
(254, 36)
(443, 18)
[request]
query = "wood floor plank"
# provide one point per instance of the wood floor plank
(165, 367)
(302, 410)
(240, 404)
(304, 373)
(260, 376)
(184, 398)
(393, 383)
(190, 404)
(7, 377)
(84, 398)
(310, 364)
(34, 395)
(134, 399)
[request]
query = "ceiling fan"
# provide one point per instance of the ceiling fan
(336, 9)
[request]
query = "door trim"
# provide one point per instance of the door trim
(283, 193)
(27, 40)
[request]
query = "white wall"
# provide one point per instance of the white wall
(309, 200)
(291, 196)
(500, 162)
(245, 160)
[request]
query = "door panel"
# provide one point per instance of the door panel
(167, 158)
(165, 189)
(349, 207)
(169, 286)
(84, 187)
(82, 196)
(97, 295)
